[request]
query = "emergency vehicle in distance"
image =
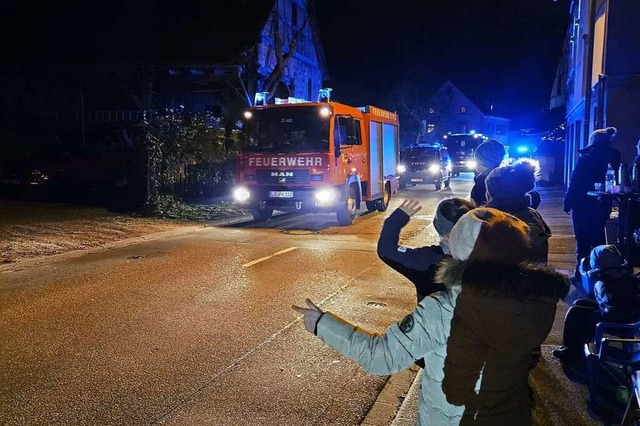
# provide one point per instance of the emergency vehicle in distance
(308, 157)
(461, 148)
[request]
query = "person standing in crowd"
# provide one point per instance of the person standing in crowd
(589, 214)
(508, 189)
(488, 156)
(476, 336)
(419, 264)
(617, 299)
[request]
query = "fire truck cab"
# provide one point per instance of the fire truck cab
(301, 156)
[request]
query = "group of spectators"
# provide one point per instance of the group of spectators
(486, 300)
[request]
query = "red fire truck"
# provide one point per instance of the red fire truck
(301, 156)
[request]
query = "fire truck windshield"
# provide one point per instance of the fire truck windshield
(287, 129)
(462, 145)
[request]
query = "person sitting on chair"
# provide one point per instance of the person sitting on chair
(617, 299)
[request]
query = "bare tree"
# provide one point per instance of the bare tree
(282, 55)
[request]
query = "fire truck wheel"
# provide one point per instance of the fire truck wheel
(346, 212)
(260, 215)
(383, 203)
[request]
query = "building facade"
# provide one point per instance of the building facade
(603, 75)
(450, 111)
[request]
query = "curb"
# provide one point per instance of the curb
(388, 407)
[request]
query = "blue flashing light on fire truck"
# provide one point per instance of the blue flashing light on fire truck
(304, 157)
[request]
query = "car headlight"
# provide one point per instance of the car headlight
(401, 168)
(325, 195)
(241, 194)
(434, 168)
(471, 164)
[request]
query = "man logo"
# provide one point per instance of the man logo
(282, 174)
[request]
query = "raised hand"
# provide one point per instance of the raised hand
(311, 315)
(410, 207)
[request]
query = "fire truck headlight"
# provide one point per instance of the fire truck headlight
(434, 168)
(401, 168)
(471, 164)
(241, 194)
(325, 195)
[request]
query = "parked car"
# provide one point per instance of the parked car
(425, 164)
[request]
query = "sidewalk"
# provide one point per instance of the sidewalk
(559, 400)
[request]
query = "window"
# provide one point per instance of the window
(347, 131)
(463, 109)
(294, 14)
(431, 128)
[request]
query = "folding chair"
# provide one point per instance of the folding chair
(614, 356)
(632, 413)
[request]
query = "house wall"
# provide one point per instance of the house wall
(497, 128)
(450, 111)
(615, 79)
(303, 74)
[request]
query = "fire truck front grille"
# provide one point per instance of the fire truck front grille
(282, 177)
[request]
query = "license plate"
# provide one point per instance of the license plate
(281, 194)
(417, 180)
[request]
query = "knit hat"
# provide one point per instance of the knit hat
(490, 153)
(602, 136)
(489, 234)
(606, 256)
(510, 182)
(448, 212)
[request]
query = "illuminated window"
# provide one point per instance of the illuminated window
(431, 110)
(431, 128)
(463, 109)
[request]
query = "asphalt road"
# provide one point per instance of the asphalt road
(197, 328)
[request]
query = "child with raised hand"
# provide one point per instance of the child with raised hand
(419, 264)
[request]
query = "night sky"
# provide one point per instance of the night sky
(500, 52)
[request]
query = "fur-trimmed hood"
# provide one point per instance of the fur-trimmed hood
(519, 281)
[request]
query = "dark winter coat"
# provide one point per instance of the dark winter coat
(590, 168)
(617, 292)
(479, 190)
(539, 232)
(418, 265)
(502, 313)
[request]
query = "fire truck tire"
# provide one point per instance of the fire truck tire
(346, 212)
(383, 203)
(260, 215)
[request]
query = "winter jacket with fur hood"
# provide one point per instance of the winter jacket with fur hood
(476, 338)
